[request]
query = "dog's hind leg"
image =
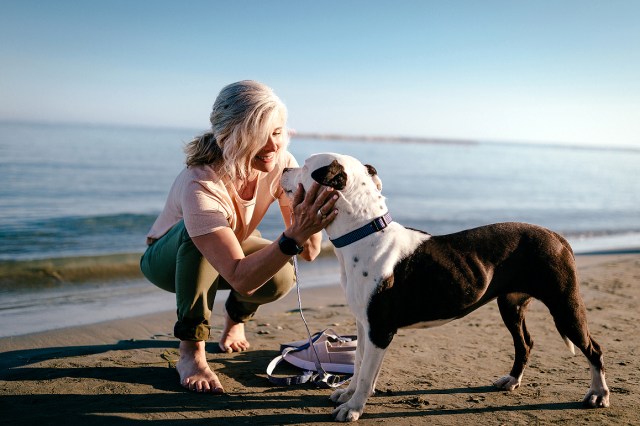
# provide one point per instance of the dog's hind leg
(512, 308)
(570, 317)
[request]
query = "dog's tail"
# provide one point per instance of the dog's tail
(569, 344)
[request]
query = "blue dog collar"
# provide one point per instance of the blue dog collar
(377, 224)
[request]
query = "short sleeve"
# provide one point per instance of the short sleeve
(203, 211)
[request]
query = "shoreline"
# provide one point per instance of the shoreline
(42, 308)
(123, 371)
(55, 293)
(60, 271)
(35, 274)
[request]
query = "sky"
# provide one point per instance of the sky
(565, 72)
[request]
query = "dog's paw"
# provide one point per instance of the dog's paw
(597, 398)
(347, 413)
(341, 395)
(508, 383)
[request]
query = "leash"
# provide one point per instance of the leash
(321, 378)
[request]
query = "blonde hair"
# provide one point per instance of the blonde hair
(241, 122)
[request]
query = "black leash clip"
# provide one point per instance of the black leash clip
(328, 381)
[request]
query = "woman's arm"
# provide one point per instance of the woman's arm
(247, 274)
(312, 247)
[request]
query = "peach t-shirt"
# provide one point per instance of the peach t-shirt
(206, 203)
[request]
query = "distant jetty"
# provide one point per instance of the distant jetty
(381, 138)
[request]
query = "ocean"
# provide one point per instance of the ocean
(77, 192)
(72, 191)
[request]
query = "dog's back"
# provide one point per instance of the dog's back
(483, 262)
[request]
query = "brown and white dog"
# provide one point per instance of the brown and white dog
(395, 277)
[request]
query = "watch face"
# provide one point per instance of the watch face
(288, 246)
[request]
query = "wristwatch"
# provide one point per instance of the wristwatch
(289, 246)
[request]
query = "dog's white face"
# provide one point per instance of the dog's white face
(358, 185)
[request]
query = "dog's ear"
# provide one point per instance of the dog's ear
(374, 176)
(332, 175)
(371, 170)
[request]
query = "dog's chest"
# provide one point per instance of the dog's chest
(366, 264)
(362, 274)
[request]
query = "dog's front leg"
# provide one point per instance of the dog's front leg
(342, 395)
(370, 365)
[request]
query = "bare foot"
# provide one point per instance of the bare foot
(233, 338)
(193, 368)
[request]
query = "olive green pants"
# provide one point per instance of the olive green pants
(173, 263)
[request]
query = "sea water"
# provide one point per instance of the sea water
(72, 191)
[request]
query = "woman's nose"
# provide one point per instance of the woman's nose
(271, 144)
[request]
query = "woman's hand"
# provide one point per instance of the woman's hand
(312, 211)
(246, 274)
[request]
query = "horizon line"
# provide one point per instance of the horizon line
(338, 136)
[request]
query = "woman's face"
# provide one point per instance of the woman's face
(267, 157)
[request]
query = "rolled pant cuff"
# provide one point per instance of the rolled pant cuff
(192, 332)
(235, 311)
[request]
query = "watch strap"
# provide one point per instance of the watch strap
(289, 246)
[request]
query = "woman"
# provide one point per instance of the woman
(205, 238)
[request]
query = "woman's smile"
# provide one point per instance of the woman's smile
(266, 158)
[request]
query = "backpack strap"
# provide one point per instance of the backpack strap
(288, 380)
(321, 378)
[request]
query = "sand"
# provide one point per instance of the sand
(121, 372)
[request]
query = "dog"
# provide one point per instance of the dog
(395, 277)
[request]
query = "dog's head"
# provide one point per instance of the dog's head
(358, 184)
